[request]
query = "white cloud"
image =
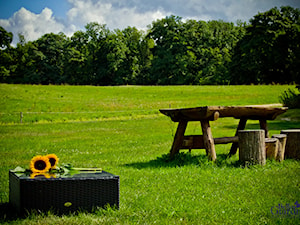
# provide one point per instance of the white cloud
(114, 16)
(32, 25)
(139, 13)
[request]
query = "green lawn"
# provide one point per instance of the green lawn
(121, 130)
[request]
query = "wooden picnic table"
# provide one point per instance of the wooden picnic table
(212, 113)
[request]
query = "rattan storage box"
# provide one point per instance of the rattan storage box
(83, 191)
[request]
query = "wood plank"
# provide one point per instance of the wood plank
(263, 125)
(234, 146)
(238, 112)
(196, 141)
(178, 139)
(226, 140)
(193, 142)
(208, 140)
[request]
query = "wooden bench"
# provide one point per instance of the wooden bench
(211, 113)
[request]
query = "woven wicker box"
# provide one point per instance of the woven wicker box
(83, 191)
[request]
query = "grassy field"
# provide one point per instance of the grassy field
(121, 130)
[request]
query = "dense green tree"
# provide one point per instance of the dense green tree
(132, 65)
(270, 50)
(172, 51)
(210, 47)
(5, 38)
(6, 58)
(76, 59)
(167, 64)
(116, 52)
(192, 52)
(52, 50)
(6, 65)
(96, 65)
(28, 63)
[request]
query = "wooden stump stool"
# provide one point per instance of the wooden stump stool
(281, 146)
(252, 147)
(271, 148)
(292, 148)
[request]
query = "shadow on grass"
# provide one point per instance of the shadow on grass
(279, 125)
(7, 214)
(272, 125)
(184, 159)
(288, 120)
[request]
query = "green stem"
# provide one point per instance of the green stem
(88, 169)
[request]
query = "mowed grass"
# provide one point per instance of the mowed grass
(83, 103)
(121, 130)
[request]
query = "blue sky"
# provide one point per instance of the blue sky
(9, 7)
(33, 18)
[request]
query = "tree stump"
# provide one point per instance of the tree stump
(292, 148)
(281, 147)
(271, 148)
(252, 147)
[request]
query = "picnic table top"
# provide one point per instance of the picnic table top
(257, 112)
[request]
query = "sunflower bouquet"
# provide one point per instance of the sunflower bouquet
(46, 167)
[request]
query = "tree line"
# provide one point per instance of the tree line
(171, 52)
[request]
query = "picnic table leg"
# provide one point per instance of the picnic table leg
(263, 125)
(208, 140)
(178, 139)
(235, 145)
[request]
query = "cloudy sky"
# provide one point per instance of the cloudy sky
(33, 18)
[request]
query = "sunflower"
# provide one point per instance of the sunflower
(53, 159)
(40, 175)
(40, 164)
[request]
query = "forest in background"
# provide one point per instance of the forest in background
(171, 52)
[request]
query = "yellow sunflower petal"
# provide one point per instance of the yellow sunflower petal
(53, 159)
(52, 175)
(40, 175)
(40, 164)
